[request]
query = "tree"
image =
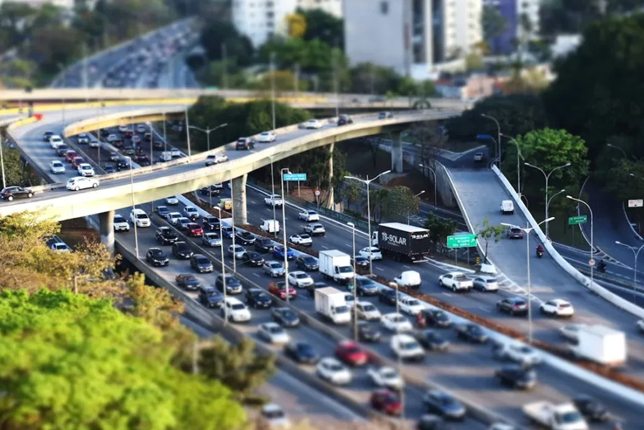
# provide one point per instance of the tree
(399, 203)
(488, 232)
(16, 173)
(368, 78)
(296, 24)
(493, 24)
(218, 33)
(284, 81)
(618, 182)
(352, 191)
(72, 362)
(474, 61)
(377, 197)
(429, 139)
(439, 229)
(323, 26)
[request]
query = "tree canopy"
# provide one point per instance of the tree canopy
(219, 33)
(323, 26)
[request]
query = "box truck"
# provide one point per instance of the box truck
(336, 265)
(601, 345)
(402, 242)
(330, 303)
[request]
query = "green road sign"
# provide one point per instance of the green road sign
(461, 241)
(573, 220)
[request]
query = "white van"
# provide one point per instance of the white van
(166, 156)
(270, 226)
(507, 207)
(408, 279)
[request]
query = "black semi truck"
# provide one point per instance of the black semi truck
(402, 242)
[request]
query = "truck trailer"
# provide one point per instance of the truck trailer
(330, 303)
(402, 242)
(601, 345)
(336, 265)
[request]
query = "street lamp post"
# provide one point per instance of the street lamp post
(136, 232)
(232, 220)
(4, 181)
(498, 131)
(592, 236)
(547, 176)
(528, 230)
(635, 254)
(355, 284)
(282, 172)
(368, 182)
(208, 130)
(273, 192)
(415, 195)
(435, 181)
(272, 67)
(223, 263)
(610, 145)
(513, 140)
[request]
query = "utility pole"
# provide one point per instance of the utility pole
(272, 68)
(224, 57)
(296, 78)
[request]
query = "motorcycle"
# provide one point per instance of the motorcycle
(601, 267)
(539, 253)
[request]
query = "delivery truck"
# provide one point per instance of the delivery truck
(330, 303)
(336, 265)
(555, 417)
(601, 345)
(402, 242)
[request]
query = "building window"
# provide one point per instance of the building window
(384, 7)
(270, 14)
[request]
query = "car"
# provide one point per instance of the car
(302, 239)
(56, 167)
(315, 229)
(245, 237)
(313, 124)
(266, 137)
(157, 257)
(307, 262)
(443, 404)
(361, 263)
(456, 281)
(311, 288)
(591, 408)
(77, 161)
(274, 416)
(521, 354)
(274, 269)
(385, 115)
(410, 305)
(60, 247)
(302, 353)
(405, 347)
(386, 401)
(182, 223)
(111, 138)
(201, 264)
(279, 289)
(123, 128)
(108, 168)
(47, 135)
(517, 377)
(211, 239)
(395, 322)
(115, 156)
(85, 169)
(278, 252)
(332, 370)
(209, 191)
(175, 153)
(235, 311)
(118, 143)
(173, 218)
(187, 281)
(571, 331)
(210, 223)
(285, 316)
(253, 259)
(344, 120)
(433, 318)
(244, 143)
(387, 296)
(558, 308)
(373, 252)
(61, 151)
(471, 332)
(299, 279)
(308, 216)
(233, 285)
(162, 211)
(227, 232)
(258, 299)
(123, 164)
(16, 192)
(191, 212)
(181, 250)
(194, 230)
(386, 377)
(139, 217)
(82, 138)
(368, 332)
(366, 286)
(514, 233)
(478, 157)
(273, 333)
(507, 207)
(120, 223)
(141, 128)
(171, 201)
(55, 141)
(273, 200)
(485, 283)
(81, 183)
(431, 340)
(236, 251)
(351, 353)
(70, 155)
(214, 159)
(366, 311)
(513, 306)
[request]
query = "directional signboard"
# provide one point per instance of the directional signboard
(461, 241)
(574, 220)
(294, 177)
(637, 203)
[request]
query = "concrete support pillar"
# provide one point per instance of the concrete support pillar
(397, 154)
(330, 201)
(239, 200)
(106, 221)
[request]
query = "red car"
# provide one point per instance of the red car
(70, 155)
(142, 157)
(78, 161)
(351, 353)
(118, 143)
(279, 289)
(386, 401)
(194, 229)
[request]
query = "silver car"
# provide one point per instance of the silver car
(486, 283)
(236, 250)
(274, 269)
(211, 239)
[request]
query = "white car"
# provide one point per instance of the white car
(309, 216)
(410, 305)
(191, 212)
(82, 138)
(300, 279)
(123, 128)
(85, 169)
(274, 200)
(386, 377)
(274, 416)
(172, 201)
(235, 310)
(395, 322)
(303, 239)
(81, 183)
(313, 124)
(60, 247)
(330, 369)
(485, 283)
(367, 311)
(56, 167)
(237, 251)
(112, 138)
(175, 153)
(120, 223)
(571, 331)
(273, 333)
(214, 159)
(141, 128)
(266, 137)
(557, 307)
(55, 141)
(139, 217)
(456, 281)
(375, 253)
(94, 143)
(173, 218)
(406, 347)
(315, 229)
(521, 354)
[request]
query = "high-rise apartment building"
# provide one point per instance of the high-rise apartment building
(521, 23)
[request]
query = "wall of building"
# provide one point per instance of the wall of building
(334, 7)
(260, 19)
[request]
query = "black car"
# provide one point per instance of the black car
(435, 318)
(210, 297)
(366, 286)
(264, 245)
(253, 259)
(368, 332)
(162, 211)
(187, 281)
(157, 257)
(385, 115)
(245, 237)
(471, 332)
(122, 164)
(108, 168)
(245, 143)
(210, 223)
(46, 135)
(307, 263)
(591, 408)
(432, 341)
(387, 296)
(16, 192)
(362, 262)
(258, 299)
(431, 422)
(61, 151)
(517, 376)
(201, 264)
(311, 288)
(181, 250)
(344, 120)
(301, 352)
(285, 317)
(105, 132)
(209, 191)
(165, 236)
(233, 285)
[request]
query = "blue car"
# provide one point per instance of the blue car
(278, 252)
(227, 232)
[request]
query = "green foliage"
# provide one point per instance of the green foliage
(284, 81)
(217, 33)
(323, 26)
(16, 173)
(313, 56)
(399, 203)
(72, 362)
(439, 229)
(352, 192)
(493, 24)
(377, 198)
(619, 183)
(369, 78)
(488, 232)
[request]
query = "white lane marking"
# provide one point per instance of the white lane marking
(255, 274)
(380, 268)
(325, 247)
(406, 267)
(448, 294)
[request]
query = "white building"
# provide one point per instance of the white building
(68, 4)
(412, 36)
(260, 19)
